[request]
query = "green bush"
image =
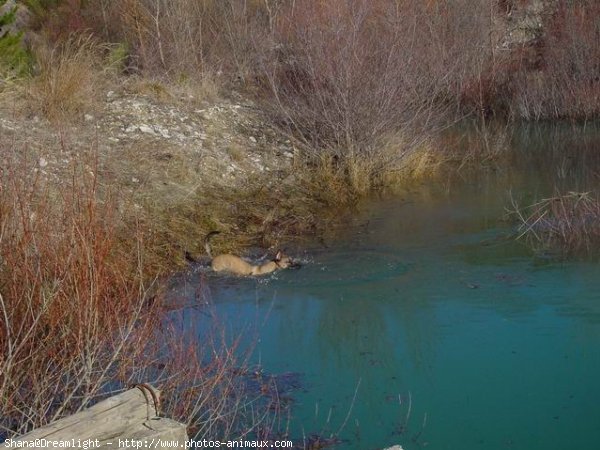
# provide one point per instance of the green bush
(14, 59)
(118, 55)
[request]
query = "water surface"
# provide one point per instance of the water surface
(421, 323)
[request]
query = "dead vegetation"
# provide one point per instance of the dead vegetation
(336, 78)
(568, 222)
(564, 80)
(68, 80)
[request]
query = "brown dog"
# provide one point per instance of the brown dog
(237, 266)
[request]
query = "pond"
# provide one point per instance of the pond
(422, 322)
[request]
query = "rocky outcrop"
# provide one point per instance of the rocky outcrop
(225, 139)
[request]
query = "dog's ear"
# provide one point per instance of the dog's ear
(278, 256)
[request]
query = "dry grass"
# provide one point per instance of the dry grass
(343, 181)
(569, 222)
(424, 162)
(69, 78)
(206, 87)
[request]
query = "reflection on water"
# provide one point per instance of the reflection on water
(422, 323)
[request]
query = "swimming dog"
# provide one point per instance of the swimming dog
(236, 265)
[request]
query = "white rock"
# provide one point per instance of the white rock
(252, 139)
(42, 162)
(146, 129)
(88, 117)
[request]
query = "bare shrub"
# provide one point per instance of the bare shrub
(78, 319)
(192, 37)
(463, 44)
(354, 79)
(567, 84)
(568, 221)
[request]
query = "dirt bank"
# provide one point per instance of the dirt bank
(181, 166)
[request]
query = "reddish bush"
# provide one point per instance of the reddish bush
(78, 319)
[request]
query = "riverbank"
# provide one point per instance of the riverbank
(180, 167)
(183, 163)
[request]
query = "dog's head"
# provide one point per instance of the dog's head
(283, 261)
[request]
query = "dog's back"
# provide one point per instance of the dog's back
(233, 264)
(236, 265)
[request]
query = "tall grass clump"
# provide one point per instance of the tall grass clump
(68, 78)
(79, 321)
(568, 222)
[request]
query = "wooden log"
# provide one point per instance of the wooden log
(132, 415)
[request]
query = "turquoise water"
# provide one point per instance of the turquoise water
(421, 323)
